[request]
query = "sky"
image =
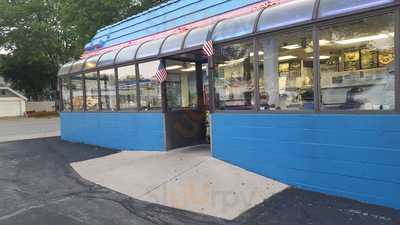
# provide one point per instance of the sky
(3, 51)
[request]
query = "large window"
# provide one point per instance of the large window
(150, 88)
(181, 85)
(358, 65)
(108, 90)
(77, 92)
(286, 71)
(127, 87)
(234, 78)
(66, 94)
(92, 91)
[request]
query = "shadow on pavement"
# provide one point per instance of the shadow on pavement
(38, 186)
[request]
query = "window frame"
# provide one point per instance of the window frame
(213, 96)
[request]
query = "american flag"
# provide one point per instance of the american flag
(161, 74)
(208, 48)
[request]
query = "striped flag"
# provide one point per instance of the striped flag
(208, 48)
(161, 74)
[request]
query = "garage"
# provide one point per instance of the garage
(11, 103)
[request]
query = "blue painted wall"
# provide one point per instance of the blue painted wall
(354, 156)
(124, 131)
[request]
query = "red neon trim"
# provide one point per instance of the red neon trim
(202, 23)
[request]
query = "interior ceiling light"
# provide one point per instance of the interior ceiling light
(259, 53)
(324, 42)
(173, 67)
(363, 39)
(292, 47)
(287, 57)
(321, 57)
(190, 69)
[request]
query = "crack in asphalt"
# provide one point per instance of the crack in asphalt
(25, 209)
(173, 178)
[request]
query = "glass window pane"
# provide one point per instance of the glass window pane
(65, 69)
(77, 66)
(173, 43)
(108, 90)
(277, 16)
(77, 92)
(197, 37)
(286, 71)
(92, 91)
(149, 49)
(66, 94)
(234, 78)
(91, 63)
(126, 55)
(127, 87)
(181, 85)
(334, 7)
(235, 27)
(358, 65)
(107, 59)
(150, 88)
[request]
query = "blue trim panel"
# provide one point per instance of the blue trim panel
(124, 131)
(169, 16)
(354, 156)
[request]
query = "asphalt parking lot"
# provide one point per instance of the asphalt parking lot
(38, 186)
(21, 128)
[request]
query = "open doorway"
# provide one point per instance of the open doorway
(186, 101)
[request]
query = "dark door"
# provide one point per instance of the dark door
(185, 116)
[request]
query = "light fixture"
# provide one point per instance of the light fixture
(292, 47)
(363, 39)
(286, 57)
(321, 57)
(190, 69)
(173, 67)
(324, 42)
(259, 53)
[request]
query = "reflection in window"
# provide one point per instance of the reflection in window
(127, 87)
(150, 88)
(181, 85)
(286, 72)
(108, 90)
(66, 94)
(92, 91)
(234, 80)
(77, 92)
(357, 65)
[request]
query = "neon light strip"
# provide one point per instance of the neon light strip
(202, 23)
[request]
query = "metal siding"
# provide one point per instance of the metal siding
(354, 156)
(179, 14)
(124, 131)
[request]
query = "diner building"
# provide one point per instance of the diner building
(306, 92)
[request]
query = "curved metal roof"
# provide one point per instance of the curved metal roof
(263, 20)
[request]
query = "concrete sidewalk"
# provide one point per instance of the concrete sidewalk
(13, 129)
(188, 179)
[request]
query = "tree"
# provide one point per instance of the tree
(44, 34)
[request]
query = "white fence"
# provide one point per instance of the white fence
(46, 106)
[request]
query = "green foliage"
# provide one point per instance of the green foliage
(43, 34)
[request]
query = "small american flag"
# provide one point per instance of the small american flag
(208, 48)
(161, 74)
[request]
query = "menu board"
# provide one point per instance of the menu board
(351, 60)
(369, 59)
